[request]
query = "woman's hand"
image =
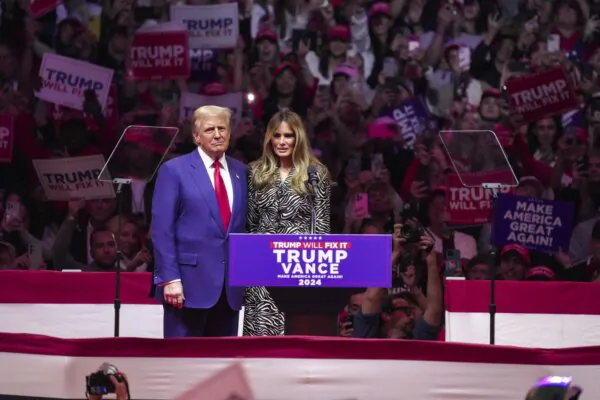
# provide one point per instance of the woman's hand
(418, 190)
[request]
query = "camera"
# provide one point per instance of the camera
(349, 319)
(99, 383)
(412, 233)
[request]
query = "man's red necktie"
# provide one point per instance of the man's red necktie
(222, 198)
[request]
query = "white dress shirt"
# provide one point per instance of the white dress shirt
(208, 163)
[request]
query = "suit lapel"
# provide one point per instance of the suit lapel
(202, 180)
(236, 184)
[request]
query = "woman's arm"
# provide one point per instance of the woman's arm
(253, 215)
(323, 203)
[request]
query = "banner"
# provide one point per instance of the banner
(210, 27)
(191, 101)
(73, 177)
(310, 260)
(7, 138)
(472, 205)
(536, 96)
(157, 55)
(537, 224)
(411, 116)
(64, 81)
(204, 65)
(37, 8)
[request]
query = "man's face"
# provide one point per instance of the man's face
(104, 248)
(355, 303)
(479, 272)
(490, 108)
(400, 320)
(101, 209)
(437, 209)
(512, 268)
(212, 135)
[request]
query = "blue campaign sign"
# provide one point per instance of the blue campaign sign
(537, 224)
(352, 261)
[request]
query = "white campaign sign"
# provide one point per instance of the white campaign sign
(65, 80)
(209, 27)
(190, 101)
(74, 177)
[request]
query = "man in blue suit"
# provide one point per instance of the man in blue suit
(198, 200)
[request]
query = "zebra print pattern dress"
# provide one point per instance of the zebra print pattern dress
(277, 209)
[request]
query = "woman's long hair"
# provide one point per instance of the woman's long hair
(264, 170)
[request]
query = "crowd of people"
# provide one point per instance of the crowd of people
(344, 67)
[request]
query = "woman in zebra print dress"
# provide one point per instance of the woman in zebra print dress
(279, 203)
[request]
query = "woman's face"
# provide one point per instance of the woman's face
(283, 141)
(470, 121)
(471, 11)
(340, 83)
(266, 51)
(286, 82)
(545, 131)
(67, 34)
(505, 50)
(490, 109)
(380, 24)
(567, 16)
(338, 48)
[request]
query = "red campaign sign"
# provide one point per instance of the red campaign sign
(537, 96)
(159, 55)
(37, 8)
(473, 205)
(7, 137)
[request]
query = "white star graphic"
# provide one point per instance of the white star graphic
(320, 238)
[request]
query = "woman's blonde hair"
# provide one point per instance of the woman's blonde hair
(264, 169)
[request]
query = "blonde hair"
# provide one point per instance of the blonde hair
(211, 112)
(264, 169)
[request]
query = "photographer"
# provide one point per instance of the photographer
(108, 379)
(393, 316)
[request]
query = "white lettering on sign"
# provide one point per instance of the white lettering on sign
(4, 135)
(540, 96)
(532, 223)
(310, 262)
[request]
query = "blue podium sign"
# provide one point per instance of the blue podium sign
(352, 261)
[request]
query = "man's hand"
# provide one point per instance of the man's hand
(174, 294)
(426, 246)
(346, 329)
(75, 206)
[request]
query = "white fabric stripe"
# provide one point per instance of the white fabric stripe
(525, 330)
(72, 321)
(291, 379)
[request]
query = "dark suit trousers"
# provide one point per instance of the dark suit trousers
(219, 320)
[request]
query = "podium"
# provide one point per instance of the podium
(310, 277)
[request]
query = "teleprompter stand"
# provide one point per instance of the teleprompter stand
(136, 158)
(489, 170)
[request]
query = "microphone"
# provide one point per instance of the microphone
(313, 179)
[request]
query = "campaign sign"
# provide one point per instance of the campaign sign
(351, 261)
(411, 116)
(537, 224)
(7, 137)
(536, 96)
(191, 101)
(65, 80)
(37, 8)
(204, 65)
(210, 27)
(73, 177)
(472, 205)
(159, 55)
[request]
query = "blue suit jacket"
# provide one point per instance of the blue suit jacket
(190, 242)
